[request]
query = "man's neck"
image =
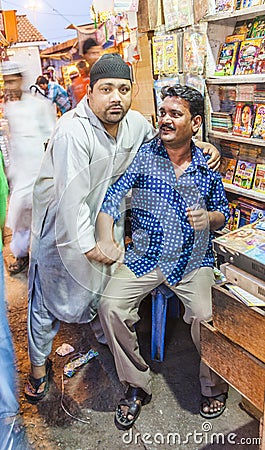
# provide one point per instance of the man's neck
(112, 129)
(180, 156)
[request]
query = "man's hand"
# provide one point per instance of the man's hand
(210, 149)
(198, 218)
(106, 252)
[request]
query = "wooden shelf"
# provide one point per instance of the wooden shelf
(246, 13)
(236, 79)
(245, 192)
(231, 137)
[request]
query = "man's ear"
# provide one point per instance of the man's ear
(196, 123)
(88, 90)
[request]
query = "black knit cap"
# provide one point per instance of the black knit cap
(110, 65)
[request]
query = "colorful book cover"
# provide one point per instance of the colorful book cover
(258, 27)
(158, 54)
(235, 38)
(194, 50)
(243, 27)
(227, 169)
(171, 54)
(244, 119)
(234, 217)
(247, 56)
(260, 59)
(259, 122)
(227, 58)
(252, 3)
(257, 214)
(244, 174)
(259, 178)
(170, 8)
(224, 5)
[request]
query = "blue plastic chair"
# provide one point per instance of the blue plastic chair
(160, 297)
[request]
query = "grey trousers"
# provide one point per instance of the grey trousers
(118, 312)
(43, 326)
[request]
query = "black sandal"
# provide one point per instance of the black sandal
(33, 385)
(206, 401)
(132, 394)
(19, 265)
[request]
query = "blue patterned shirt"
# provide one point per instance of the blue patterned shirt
(161, 233)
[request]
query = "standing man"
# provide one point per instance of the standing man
(177, 203)
(31, 121)
(55, 93)
(90, 148)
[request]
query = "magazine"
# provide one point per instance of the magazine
(259, 122)
(247, 56)
(227, 169)
(227, 58)
(244, 174)
(224, 5)
(244, 119)
(259, 178)
(158, 54)
(233, 221)
(248, 240)
(244, 296)
(194, 50)
(171, 54)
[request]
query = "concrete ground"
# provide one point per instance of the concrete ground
(171, 420)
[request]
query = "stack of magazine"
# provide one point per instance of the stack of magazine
(244, 248)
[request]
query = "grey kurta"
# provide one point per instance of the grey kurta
(81, 161)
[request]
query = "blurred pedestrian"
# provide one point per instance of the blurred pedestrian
(30, 122)
(73, 75)
(78, 88)
(11, 432)
(91, 51)
(55, 92)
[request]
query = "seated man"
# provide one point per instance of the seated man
(177, 202)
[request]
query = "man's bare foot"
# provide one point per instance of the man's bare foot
(38, 382)
(212, 407)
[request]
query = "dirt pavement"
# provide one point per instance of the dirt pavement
(91, 394)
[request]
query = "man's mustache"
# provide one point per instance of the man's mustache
(167, 127)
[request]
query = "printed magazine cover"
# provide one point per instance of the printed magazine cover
(227, 169)
(259, 123)
(247, 56)
(259, 179)
(244, 119)
(248, 240)
(244, 174)
(227, 59)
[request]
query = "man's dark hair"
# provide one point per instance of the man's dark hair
(193, 97)
(41, 80)
(88, 44)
